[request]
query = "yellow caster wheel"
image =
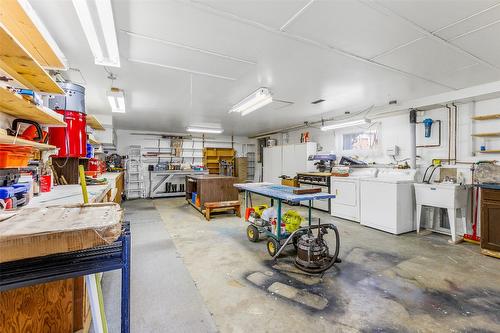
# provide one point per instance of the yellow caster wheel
(252, 233)
(272, 246)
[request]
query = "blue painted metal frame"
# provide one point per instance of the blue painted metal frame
(31, 271)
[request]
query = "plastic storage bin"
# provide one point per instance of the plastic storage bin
(12, 156)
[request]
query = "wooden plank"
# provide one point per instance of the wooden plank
(40, 308)
(94, 123)
(221, 204)
(21, 142)
(487, 117)
(492, 134)
(306, 190)
(16, 106)
(491, 151)
(21, 21)
(20, 65)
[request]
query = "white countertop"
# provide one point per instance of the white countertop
(72, 194)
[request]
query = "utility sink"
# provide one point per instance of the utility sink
(444, 195)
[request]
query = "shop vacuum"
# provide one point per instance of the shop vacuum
(72, 139)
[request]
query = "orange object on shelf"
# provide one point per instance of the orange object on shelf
(13, 156)
(197, 201)
(93, 174)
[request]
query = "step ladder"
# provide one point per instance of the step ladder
(134, 175)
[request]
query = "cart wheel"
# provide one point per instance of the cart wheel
(252, 233)
(272, 246)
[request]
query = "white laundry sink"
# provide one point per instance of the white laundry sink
(441, 195)
(444, 195)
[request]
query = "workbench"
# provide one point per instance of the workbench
(61, 303)
(59, 267)
(158, 181)
(280, 193)
(72, 194)
(210, 188)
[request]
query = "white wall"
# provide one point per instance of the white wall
(395, 130)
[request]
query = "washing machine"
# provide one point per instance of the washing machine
(347, 202)
(388, 201)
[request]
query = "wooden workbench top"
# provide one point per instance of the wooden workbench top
(210, 177)
(319, 174)
(72, 194)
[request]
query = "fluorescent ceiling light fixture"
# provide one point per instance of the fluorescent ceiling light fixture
(345, 124)
(116, 99)
(106, 30)
(204, 130)
(256, 100)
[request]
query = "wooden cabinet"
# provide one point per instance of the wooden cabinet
(211, 188)
(490, 219)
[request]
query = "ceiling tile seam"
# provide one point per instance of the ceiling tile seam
(475, 30)
(440, 30)
(188, 47)
(296, 15)
(383, 9)
(218, 12)
(394, 49)
(466, 18)
(187, 70)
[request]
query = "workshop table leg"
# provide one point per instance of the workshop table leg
(310, 212)
(278, 224)
(125, 313)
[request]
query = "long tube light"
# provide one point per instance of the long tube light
(258, 99)
(345, 124)
(116, 100)
(107, 25)
(204, 130)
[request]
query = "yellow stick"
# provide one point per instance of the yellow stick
(97, 285)
(83, 183)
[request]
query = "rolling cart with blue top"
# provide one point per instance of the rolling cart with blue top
(313, 252)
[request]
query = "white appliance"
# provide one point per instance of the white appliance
(444, 195)
(347, 202)
(388, 202)
(287, 160)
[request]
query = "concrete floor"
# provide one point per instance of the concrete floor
(385, 283)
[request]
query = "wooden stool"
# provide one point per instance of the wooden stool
(222, 206)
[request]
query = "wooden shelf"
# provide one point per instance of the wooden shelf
(487, 117)
(18, 63)
(92, 140)
(494, 134)
(491, 151)
(21, 142)
(94, 123)
(15, 105)
(21, 21)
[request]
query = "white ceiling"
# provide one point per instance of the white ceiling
(353, 54)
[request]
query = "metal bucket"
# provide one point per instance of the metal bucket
(72, 100)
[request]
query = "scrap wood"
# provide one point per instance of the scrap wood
(33, 232)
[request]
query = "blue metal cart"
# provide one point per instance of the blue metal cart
(27, 272)
(277, 241)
